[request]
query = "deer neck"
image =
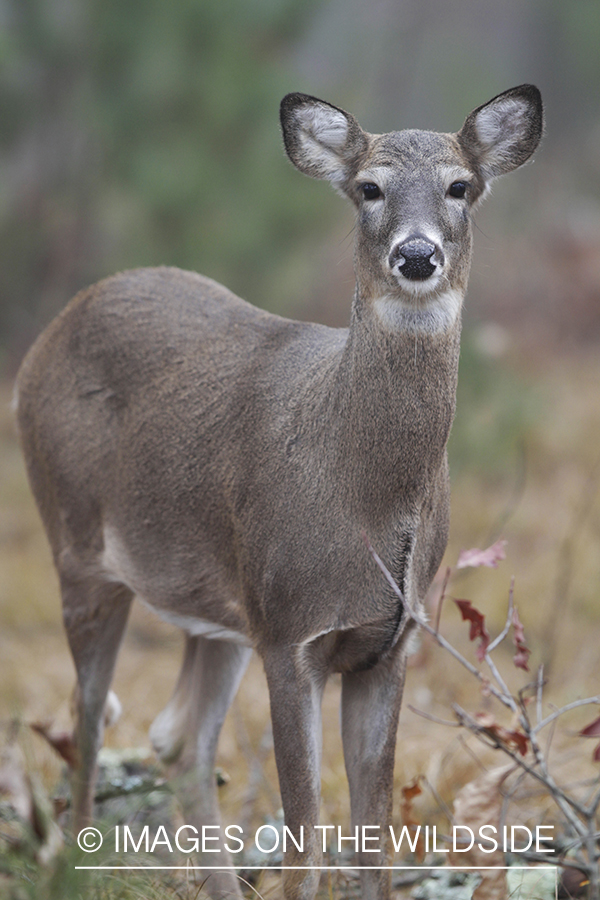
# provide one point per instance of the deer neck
(396, 398)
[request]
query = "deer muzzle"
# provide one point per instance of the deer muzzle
(416, 258)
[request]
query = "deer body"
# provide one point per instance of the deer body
(222, 464)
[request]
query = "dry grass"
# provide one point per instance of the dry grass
(552, 534)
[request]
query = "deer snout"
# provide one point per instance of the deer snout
(417, 258)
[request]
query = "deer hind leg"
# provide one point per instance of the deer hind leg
(370, 709)
(95, 614)
(185, 736)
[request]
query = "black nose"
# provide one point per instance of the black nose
(414, 258)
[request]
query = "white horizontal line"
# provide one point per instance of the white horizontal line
(323, 868)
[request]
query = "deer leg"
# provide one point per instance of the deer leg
(185, 736)
(370, 709)
(295, 693)
(95, 615)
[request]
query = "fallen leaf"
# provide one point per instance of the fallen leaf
(477, 804)
(412, 790)
(475, 557)
(14, 784)
(61, 741)
(30, 802)
(409, 792)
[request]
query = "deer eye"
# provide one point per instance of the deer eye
(370, 191)
(457, 189)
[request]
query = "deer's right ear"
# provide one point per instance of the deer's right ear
(321, 140)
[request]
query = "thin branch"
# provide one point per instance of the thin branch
(424, 715)
(443, 806)
(568, 805)
(595, 805)
(576, 842)
(420, 620)
(508, 622)
(579, 816)
(442, 598)
(509, 700)
(559, 712)
(464, 744)
(578, 863)
(540, 687)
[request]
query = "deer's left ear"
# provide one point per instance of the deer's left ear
(501, 135)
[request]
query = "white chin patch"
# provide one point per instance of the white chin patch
(423, 313)
(418, 288)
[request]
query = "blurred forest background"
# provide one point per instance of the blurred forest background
(145, 132)
(142, 133)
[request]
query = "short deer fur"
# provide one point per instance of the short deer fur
(222, 464)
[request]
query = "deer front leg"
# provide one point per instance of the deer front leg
(295, 692)
(370, 709)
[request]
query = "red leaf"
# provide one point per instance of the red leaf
(516, 738)
(412, 790)
(477, 629)
(409, 792)
(596, 756)
(522, 655)
(60, 741)
(592, 730)
(490, 557)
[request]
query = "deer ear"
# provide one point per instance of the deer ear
(501, 135)
(321, 140)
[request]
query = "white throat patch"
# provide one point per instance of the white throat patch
(432, 315)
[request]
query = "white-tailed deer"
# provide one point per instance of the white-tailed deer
(222, 464)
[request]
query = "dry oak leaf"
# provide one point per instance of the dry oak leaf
(505, 735)
(477, 804)
(409, 792)
(477, 623)
(60, 741)
(30, 802)
(475, 557)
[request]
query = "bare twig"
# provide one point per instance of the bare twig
(563, 800)
(540, 687)
(442, 598)
(420, 620)
(569, 706)
(509, 615)
(425, 715)
(581, 817)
